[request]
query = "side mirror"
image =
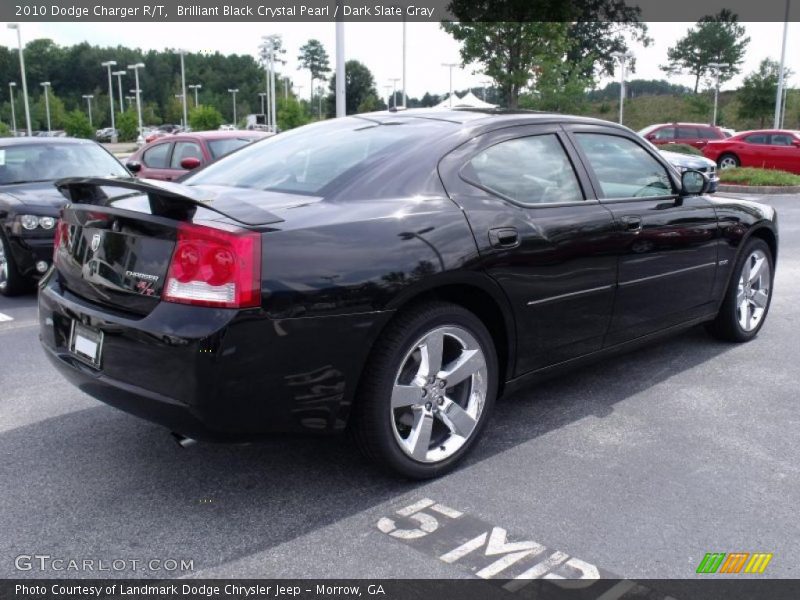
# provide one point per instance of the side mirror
(190, 162)
(796, 143)
(133, 166)
(650, 137)
(693, 183)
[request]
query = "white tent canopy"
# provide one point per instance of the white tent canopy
(468, 100)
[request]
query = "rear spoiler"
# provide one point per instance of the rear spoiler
(167, 199)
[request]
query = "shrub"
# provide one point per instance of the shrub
(205, 118)
(751, 176)
(4, 130)
(76, 124)
(128, 126)
(682, 149)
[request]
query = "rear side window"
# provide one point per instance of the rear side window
(530, 170)
(685, 133)
(156, 157)
(781, 139)
(709, 133)
(226, 146)
(665, 133)
(623, 168)
(185, 150)
(756, 138)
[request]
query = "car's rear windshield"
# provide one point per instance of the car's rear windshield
(306, 160)
(226, 146)
(44, 161)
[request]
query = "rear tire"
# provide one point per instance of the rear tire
(427, 391)
(748, 296)
(728, 161)
(12, 283)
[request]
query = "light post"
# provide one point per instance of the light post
(286, 87)
(138, 92)
(341, 90)
(88, 98)
(783, 111)
(262, 95)
(388, 89)
(394, 81)
(404, 60)
(130, 99)
(622, 58)
(184, 124)
(270, 45)
(119, 75)
(450, 66)
(234, 91)
(46, 86)
(483, 83)
(320, 91)
(195, 87)
(108, 64)
(717, 68)
(782, 72)
(24, 80)
(11, 86)
(183, 89)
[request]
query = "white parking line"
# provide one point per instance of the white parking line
(5, 317)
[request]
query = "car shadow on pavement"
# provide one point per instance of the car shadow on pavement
(100, 483)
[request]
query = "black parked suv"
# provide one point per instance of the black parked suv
(392, 274)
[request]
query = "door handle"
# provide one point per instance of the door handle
(632, 223)
(504, 237)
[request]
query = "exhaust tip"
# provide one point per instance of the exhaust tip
(182, 440)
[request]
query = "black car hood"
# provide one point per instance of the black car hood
(42, 193)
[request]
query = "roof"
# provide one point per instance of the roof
(35, 139)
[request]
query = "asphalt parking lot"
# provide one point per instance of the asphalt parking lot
(640, 465)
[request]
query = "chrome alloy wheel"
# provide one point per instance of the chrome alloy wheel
(752, 293)
(728, 162)
(439, 394)
(3, 266)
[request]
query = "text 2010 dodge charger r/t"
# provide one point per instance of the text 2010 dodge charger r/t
(391, 274)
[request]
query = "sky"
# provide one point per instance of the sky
(379, 46)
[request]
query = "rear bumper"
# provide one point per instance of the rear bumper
(214, 374)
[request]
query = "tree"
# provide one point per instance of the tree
(76, 124)
(314, 58)
(290, 114)
(128, 126)
(756, 97)
(718, 38)
(205, 118)
(359, 86)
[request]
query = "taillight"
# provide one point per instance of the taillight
(214, 267)
(60, 237)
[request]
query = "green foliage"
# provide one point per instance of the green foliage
(314, 58)
(639, 87)
(756, 97)
(39, 112)
(127, 126)
(561, 89)
(683, 149)
(718, 38)
(205, 118)
(701, 106)
(5, 131)
(290, 114)
(359, 86)
(751, 176)
(76, 124)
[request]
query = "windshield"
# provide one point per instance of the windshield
(226, 146)
(305, 160)
(48, 162)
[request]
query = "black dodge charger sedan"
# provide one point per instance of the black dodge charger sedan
(30, 203)
(391, 274)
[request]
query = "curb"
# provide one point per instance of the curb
(759, 189)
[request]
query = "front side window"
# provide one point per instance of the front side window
(756, 138)
(225, 146)
(185, 150)
(156, 157)
(623, 168)
(665, 133)
(531, 170)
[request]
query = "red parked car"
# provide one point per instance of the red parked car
(693, 134)
(170, 157)
(765, 148)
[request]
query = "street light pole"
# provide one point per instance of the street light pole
(404, 61)
(11, 86)
(130, 100)
(262, 95)
(341, 97)
(388, 89)
(717, 67)
(108, 64)
(119, 75)
(622, 58)
(195, 87)
(450, 66)
(394, 81)
(88, 98)
(183, 89)
(46, 86)
(483, 83)
(136, 68)
(779, 96)
(233, 91)
(180, 97)
(24, 80)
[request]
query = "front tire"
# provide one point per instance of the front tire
(748, 297)
(728, 161)
(12, 283)
(427, 391)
